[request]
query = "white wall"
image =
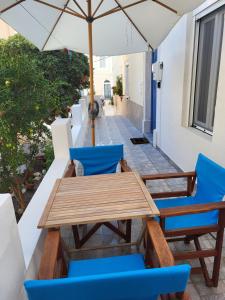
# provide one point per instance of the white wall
(180, 142)
(102, 74)
(12, 265)
(136, 70)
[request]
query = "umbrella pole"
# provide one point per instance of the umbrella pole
(90, 44)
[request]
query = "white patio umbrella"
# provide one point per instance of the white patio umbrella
(95, 27)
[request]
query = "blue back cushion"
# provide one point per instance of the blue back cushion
(99, 159)
(145, 284)
(210, 180)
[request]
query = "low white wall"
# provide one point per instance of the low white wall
(12, 265)
(180, 142)
(79, 122)
(21, 245)
(27, 225)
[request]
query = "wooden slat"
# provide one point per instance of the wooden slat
(191, 209)
(169, 194)
(194, 254)
(99, 198)
(98, 210)
(94, 219)
(192, 231)
(49, 204)
(147, 195)
(168, 175)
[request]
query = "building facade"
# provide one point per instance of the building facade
(136, 103)
(5, 30)
(106, 69)
(190, 102)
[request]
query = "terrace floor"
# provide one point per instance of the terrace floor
(145, 159)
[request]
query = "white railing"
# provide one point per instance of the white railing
(21, 244)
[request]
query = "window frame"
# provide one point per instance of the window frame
(219, 15)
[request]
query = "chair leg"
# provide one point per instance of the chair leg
(203, 264)
(128, 224)
(217, 259)
(148, 252)
(187, 240)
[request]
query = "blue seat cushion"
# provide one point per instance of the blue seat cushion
(98, 266)
(186, 221)
(146, 284)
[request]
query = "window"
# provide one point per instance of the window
(208, 51)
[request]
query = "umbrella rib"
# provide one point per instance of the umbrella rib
(80, 8)
(132, 22)
(97, 8)
(119, 8)
(73, 13)
(38, 21)
(54, 26)
(11, 6)
(166, 6)
(109, 12)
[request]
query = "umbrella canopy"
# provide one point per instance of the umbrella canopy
(57, 24)
(116, 27)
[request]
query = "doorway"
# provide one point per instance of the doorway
(107, 89)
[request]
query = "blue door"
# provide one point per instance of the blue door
(153, 94)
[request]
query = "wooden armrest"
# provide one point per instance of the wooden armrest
(71, 171)
(168, 176)
(124, 166)
(160, 244)
(163, 253)
(48, 264)
(191, 209)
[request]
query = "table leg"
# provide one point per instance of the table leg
(141, 236)
(128, 231)
(76, 236)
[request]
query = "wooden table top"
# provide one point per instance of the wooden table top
(98, 198)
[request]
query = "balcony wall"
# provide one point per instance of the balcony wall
(21, 244)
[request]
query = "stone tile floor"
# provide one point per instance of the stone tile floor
(145, 159)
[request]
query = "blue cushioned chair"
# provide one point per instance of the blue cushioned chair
(198, 214)
(113, 278)
(99, 160)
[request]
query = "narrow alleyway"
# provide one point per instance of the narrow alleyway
(145, 159)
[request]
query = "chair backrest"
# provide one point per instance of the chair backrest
(145, 284)
(99, 159)
(210, 180)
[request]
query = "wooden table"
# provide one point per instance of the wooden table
(97, 199)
